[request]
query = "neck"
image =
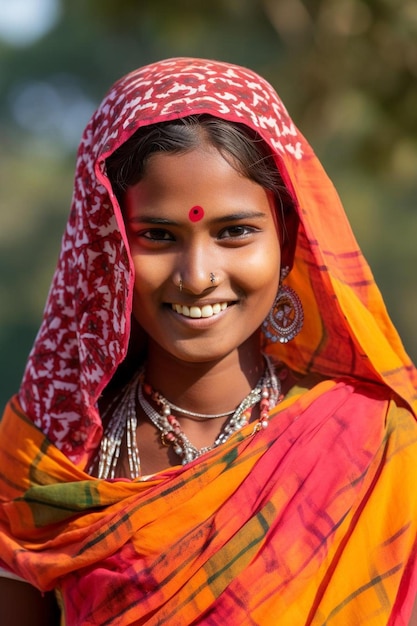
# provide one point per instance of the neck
(206, 387)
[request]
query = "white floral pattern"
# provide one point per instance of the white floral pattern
(85, 330)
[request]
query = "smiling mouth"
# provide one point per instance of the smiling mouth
(196, 312)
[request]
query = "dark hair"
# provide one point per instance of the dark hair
(241, 146)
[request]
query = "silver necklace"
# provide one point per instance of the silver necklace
(199, 416)
(124, 419)
(267, 392)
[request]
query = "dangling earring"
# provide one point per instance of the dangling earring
(285, 319)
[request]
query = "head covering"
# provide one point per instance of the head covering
(273, 524)
(85, 331)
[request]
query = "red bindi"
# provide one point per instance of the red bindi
(196, 213)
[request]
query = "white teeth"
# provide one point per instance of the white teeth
(208, 310)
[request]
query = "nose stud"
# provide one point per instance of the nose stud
(212, 276)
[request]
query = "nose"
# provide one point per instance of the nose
(196, 269)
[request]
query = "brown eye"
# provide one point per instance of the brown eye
(157, 234)
(236, 232)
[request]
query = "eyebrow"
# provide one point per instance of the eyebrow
(243, 215)
(231, 217)
(146, 219)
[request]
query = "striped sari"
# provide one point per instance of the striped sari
(298, 524)
(310, 522)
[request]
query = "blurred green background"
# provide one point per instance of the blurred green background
(346, 69)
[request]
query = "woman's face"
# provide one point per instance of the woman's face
(190, 217)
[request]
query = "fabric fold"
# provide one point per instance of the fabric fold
(310, 522)
(279, 520)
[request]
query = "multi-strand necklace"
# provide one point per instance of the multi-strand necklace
(266, 392)
(123, 419)
(160, 411)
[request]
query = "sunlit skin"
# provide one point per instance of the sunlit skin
(206, 364)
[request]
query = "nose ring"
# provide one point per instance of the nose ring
(212, 281)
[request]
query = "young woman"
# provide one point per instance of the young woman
(217, 420)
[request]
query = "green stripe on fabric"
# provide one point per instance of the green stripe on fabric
(223, 567)
(374, 582)
(50, 504)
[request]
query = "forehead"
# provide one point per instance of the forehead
(197, 191)
(201, 167)
(196, 182)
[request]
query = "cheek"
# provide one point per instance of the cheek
(146, 284)
(262, 270)
(259, 280)
(144, 296)
(150, 272)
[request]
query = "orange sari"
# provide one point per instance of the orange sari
(298, 524)
(310, 522)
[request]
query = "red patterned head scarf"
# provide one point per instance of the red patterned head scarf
(85, 331)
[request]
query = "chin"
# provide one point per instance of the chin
(199, 356)
(207, 351)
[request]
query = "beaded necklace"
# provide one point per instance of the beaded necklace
(123, 418)
(267, 393)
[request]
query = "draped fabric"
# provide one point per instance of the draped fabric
(312, 521)
(298, 524)
(85, 330)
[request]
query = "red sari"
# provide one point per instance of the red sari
(312, 521)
